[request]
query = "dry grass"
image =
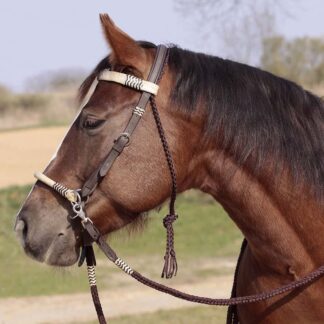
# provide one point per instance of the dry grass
(50, 108)
(26, 151)
(35, 109)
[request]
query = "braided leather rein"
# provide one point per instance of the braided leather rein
(95, 236)
(79, 198)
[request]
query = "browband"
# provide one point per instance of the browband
(128, 80)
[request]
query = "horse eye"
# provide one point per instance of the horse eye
(91, 123)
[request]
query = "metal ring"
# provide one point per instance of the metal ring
(80, 199)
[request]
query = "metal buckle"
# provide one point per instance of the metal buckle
(126, 135)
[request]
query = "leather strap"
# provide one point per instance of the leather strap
(112, 256)
(121, 142)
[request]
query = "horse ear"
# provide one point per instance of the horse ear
(125, 50)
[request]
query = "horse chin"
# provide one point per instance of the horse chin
(62, 260)
(62, 252)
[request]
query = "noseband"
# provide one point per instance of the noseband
(90, 234)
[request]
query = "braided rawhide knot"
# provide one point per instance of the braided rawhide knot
(170, 261)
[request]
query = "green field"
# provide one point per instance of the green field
(202, 231)
(192, 315)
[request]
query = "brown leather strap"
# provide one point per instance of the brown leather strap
(302, 282)
(122, 141)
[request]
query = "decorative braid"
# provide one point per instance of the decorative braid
(133, 82)
(124, 266)
(92, 275)
(62, 190)
(139, 111)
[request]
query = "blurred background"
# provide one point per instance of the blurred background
(47, 49)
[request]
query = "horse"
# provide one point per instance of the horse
(250, 139)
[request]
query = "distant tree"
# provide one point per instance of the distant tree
(240, 25)
(56, 81)
(299, 59)
(5, 98)
(4, 90)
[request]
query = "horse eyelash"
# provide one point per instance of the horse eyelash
(92, 123)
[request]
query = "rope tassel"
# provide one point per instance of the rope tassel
(170, 261)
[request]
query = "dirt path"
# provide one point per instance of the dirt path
(78, 308)
(25, 151)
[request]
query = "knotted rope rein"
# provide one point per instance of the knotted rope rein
(73, 196)
(170, 261)
(150, 89)
(112, 256)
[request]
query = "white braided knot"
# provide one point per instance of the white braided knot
(92, 275)
(60, 189)
(124, 266)
(138, 111)
(133, 82)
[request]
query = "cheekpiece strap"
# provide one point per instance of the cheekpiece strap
(130, 81)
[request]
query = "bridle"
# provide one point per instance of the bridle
(90, 234)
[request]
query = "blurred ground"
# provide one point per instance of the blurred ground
(25, 151)
(130, 300)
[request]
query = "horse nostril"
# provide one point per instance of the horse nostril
(21, 230)
(25, 231)
(61, 234)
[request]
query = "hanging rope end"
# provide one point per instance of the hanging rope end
(170, 268)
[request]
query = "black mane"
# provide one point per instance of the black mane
(254, 115)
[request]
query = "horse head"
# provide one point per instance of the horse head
(139, 179)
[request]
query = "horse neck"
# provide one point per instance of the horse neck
(282, 222)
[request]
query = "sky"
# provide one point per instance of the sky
(39, 36)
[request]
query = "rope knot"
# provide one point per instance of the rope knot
(169, 219)
(170, 262)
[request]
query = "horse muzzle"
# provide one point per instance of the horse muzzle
(55, 243)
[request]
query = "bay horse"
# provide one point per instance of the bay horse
(252, 140)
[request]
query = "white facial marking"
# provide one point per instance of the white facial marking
(83, 103)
